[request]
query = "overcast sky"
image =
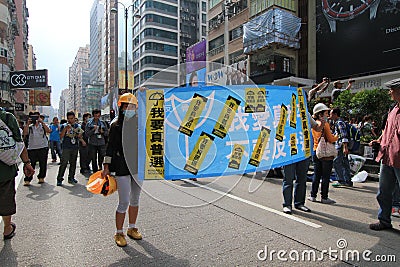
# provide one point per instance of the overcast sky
(56, 30)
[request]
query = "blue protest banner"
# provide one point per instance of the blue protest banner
(213, 131)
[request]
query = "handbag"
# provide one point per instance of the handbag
(10, 150)
(325, 149)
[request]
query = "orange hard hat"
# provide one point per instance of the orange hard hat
(127, 98)
(98, 185)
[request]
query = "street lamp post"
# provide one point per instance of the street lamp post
(115, 11)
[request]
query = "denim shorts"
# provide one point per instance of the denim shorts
(7, 198)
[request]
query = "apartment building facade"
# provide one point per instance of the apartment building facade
(9, 29)
(96, 55)
(162, 35)
(78, 80)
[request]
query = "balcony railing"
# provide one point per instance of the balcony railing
(216, 50)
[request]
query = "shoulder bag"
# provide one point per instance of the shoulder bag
(325, 150)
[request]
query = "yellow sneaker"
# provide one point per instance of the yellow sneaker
(120, 240)
(41, 180)
(134, 234)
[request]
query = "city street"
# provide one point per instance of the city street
(196, 223)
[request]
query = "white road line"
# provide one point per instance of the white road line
(17, 182)
(280, 213)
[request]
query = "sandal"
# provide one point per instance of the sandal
(12, 234)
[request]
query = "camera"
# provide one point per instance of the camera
(34, 118)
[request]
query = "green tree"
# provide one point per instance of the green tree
(374, 102)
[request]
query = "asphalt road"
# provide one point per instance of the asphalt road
(198, 224)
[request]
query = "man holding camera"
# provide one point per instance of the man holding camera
(71, 134)
(35, 132)
(338, 88)
(318, 89)
(96, 131)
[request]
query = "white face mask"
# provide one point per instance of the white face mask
(129, 113)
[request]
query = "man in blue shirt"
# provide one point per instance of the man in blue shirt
(55, 144)
(71, 133)
(341, 162)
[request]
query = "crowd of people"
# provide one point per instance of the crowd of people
(99, 145)
(328, 123)
(65, 139)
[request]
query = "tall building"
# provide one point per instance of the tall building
(78, 80)
(162, 35)
(272, 40)
(21, 40)
(93, 94)
(31, 58)
(225, 35)
(9, 29)
(63, 107)
(96, 56)
(110, 33)
(22, 52)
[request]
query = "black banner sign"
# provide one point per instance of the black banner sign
(28, 79)
(19, 107)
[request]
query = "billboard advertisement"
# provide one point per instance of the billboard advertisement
(196, 57)
(121, 79)
(199, 75)
(39, 97)
(234, 74)
(357, 37)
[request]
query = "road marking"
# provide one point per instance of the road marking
(280, 213)
(17, 182)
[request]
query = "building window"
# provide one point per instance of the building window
(161, 6)
(3, 52)
(159, 61)
(148, 74)
(168, 49)
(235, 57)
(203, 18)
(203, 31)
(236, 33)
(213, 3)
(160, 33)
(159, 19)
(217, 42)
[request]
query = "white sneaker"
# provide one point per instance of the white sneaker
(312, 199)
(328, 201)
(287, 210)
(396, 212)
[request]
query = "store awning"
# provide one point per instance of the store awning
(294, 81)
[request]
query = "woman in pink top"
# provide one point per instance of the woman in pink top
(322, 167)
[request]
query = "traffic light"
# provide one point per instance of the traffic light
(112, 114)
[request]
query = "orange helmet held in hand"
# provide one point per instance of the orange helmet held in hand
(98, 185)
